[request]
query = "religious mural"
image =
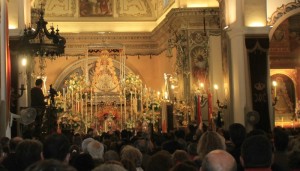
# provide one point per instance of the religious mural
(95, 8)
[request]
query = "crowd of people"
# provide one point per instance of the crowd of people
(181, 150)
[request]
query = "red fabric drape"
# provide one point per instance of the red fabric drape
(8, 68)
(199, 110)
(209, 98)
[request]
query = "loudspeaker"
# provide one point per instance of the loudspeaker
(170, 117)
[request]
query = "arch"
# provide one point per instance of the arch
(281, 14)
(285, 94)
(79, 65)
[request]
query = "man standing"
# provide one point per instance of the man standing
(38, 102)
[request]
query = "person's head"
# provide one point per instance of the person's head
(218, 160)
(85, 143)
(256, 152)
(56, 146)
(160, 161)
(111, 155)
(39, 82)
(95, 149)
(144, 145)
(50, 165)
(132, 153)
(110, 167)
(184, 166)
(28, 152)
(1, 153)
(5, 144)
(128, 164)
(180, 156)
(281, 139)
(14, 142)
(237, 133)
(83, 162)
(208, 142)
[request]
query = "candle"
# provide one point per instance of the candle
(63, 92)
(131, 105)
(72, 100)
(76, 102)
(275, 85)
(216, 87)
(91, 103)
(86, 108)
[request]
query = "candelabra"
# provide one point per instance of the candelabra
(275, 101)
(221, 105)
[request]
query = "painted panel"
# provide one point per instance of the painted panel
(95, 8)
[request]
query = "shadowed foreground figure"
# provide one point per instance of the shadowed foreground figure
(218, 160)
(50, 165)
(256, 153)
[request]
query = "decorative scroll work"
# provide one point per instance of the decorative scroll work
(134, 8)
(281, 11)
(58, 8)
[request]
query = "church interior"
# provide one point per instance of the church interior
(128, 64)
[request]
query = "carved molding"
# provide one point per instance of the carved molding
(281, 11)
(145, 43)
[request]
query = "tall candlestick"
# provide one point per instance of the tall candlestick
(131, 105)
(63, 92)
(77, 104)
(86, 108)
(209, 101)
(121, 104)
(72, 100)
(91, 103)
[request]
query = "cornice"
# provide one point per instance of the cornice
(146, 43)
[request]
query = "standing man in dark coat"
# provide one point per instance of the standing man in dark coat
(38, 102)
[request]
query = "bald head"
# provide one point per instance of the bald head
(218, 160)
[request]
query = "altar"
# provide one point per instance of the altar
(107, 98)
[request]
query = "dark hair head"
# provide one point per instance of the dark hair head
(28, 152)
(111, 155)
(256, 152)
(56, 146)
(38, 82)
(14, 142)
(83, 161)
(237, 133)
(160, 161)
(183, 166)
(50, 165)
(281, 139)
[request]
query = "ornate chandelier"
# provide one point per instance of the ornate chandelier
(41, 41)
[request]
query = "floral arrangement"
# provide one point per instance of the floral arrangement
(69, 121)
(76, 82)
(132, 82)
(59, 102)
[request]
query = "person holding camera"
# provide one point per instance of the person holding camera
(38, 102)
